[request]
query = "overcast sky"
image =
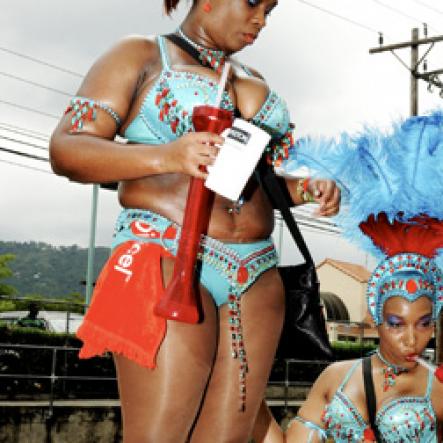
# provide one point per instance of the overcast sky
(318, 62)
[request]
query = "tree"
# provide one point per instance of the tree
(5, 272)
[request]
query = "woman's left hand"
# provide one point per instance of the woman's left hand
(327, 194)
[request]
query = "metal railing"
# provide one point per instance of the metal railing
(13, 357)
(26, 362)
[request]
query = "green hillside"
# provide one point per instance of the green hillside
(50, 271)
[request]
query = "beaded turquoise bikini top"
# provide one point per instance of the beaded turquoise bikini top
(166, 111)
(401, 420)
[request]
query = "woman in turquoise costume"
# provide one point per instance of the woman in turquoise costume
(392, 207)
(181, 382)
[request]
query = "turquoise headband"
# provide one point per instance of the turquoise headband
(406, 275)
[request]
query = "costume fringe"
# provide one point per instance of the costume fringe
(97, 341)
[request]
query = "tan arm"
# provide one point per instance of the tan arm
(92, 155)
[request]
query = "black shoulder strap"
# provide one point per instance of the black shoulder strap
(267, 177)
(183, 44)
(370, 393)
(279, 196)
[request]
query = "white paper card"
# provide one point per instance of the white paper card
(237, 158)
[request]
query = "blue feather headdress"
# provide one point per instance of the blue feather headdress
(388, 177)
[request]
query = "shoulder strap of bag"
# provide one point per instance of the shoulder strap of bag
(267, 177)
(370, 393)
(183, 44)
(279, 197)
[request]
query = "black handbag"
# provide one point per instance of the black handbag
(304, 333)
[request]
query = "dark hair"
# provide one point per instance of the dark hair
(170, 5)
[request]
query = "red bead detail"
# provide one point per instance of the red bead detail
(439, 373)
(242, 275)
(368, 434)
(411, 286)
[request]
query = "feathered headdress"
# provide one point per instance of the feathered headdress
(392, 187)
(409, 269)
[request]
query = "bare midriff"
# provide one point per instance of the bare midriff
(166, 194)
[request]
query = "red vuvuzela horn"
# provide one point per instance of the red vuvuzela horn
(180, 300)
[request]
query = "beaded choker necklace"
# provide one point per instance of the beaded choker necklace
(215, 58)
(390, 371)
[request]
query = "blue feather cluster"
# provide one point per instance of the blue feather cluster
(399, 172)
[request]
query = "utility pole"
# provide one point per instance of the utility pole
(432, 79)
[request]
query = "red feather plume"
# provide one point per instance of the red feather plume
(421, 235)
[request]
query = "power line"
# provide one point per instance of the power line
(303, 211)
(26, 108)
(403, 14)
(38, 85)
(341, 17)
(428, 6)
(310, 228)
(312, 223)
(27, 130)
(24, 132)
(25, 166)
(22, 142)
(23, 154)
(41, 62)
(304, 221)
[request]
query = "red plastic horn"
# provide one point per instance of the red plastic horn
(180, 300)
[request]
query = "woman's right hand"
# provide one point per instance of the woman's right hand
(187, 154)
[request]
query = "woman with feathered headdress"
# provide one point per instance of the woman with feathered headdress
(392, 186)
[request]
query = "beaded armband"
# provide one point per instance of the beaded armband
(278, 149)
(85, 109)
(302, 190)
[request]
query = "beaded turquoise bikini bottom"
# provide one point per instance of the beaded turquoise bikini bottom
(226, 270)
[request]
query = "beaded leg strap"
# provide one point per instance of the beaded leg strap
(240, 278)
(85, 109)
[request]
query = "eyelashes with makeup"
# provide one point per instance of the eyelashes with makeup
(392, 323)
(254, 3)
(426, 322)
(395, 323)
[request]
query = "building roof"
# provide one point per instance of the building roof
(357, 272)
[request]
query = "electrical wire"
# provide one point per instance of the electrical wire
(306, 222)
(24, 131)
(26, 166)
(26, 108)
(23, 154)
(397, 11)
(308, 213)
(428, 6)
(41, 62)
(341, 17)
(38, 85)
(403, 14)
(303, 213)
(22, 142)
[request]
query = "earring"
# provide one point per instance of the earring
(207, 7)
